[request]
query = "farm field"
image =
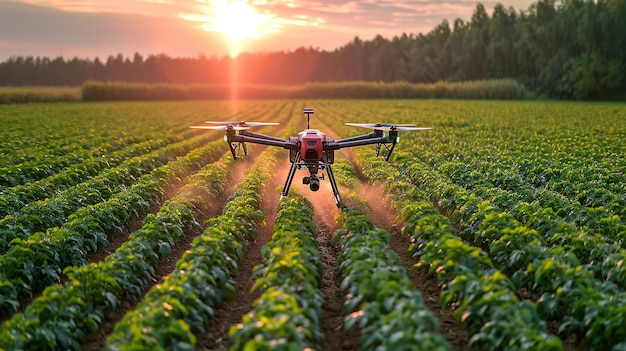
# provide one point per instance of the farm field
(504, 227)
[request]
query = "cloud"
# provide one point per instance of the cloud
(44, 31)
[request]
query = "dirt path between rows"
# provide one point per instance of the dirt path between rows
(325, 216)
(231, 312)
(384, 217)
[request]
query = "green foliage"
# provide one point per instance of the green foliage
(380, 298)
(183, 303)
(344, 173)
(589, 77)
(495, 211)
(95, 289)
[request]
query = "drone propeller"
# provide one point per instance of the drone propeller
(233, 125)
(242, 123)
(220, 127)
(408, 129)
(388, 126)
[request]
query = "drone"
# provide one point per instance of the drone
(310, 150)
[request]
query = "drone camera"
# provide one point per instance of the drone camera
(313, 182)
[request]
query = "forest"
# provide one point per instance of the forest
(569, 49)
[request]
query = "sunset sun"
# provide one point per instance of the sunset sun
(238, 20)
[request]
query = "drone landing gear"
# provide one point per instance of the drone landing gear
(235, 148)
(333, 184)
(388, 146)
(313, 181)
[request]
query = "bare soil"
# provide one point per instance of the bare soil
(325, 218)
(335, 335)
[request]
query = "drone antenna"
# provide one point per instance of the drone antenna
(308, 111)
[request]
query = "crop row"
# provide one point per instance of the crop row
(39, 135)
(564, 171)
(49, 163)
(31, 264)
(586, 243)
(483, 298)
(53, 145)
(573, 151)
(181, 305)
(40, 132)
(381, 300)
(61, 316)
(54, 211)
(568, 171)
(515, 158)
(602, 252)
(600, 247)
(288, 312)
(13, 199)
(569, 291)
(88, 229)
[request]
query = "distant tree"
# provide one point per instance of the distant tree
(502, 34)
(477, 41)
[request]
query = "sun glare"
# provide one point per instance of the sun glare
(237, 20)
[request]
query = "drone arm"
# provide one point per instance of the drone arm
(376, 134)
(350, 142)
(388, 141)
(261, 140)
(261, 136)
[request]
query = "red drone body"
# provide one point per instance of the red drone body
(312, 144)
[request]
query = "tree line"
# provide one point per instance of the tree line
(573, 49)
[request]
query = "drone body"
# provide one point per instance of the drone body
(310, 150)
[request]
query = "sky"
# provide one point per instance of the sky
(190, 28)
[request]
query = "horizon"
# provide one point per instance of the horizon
(194, 28)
